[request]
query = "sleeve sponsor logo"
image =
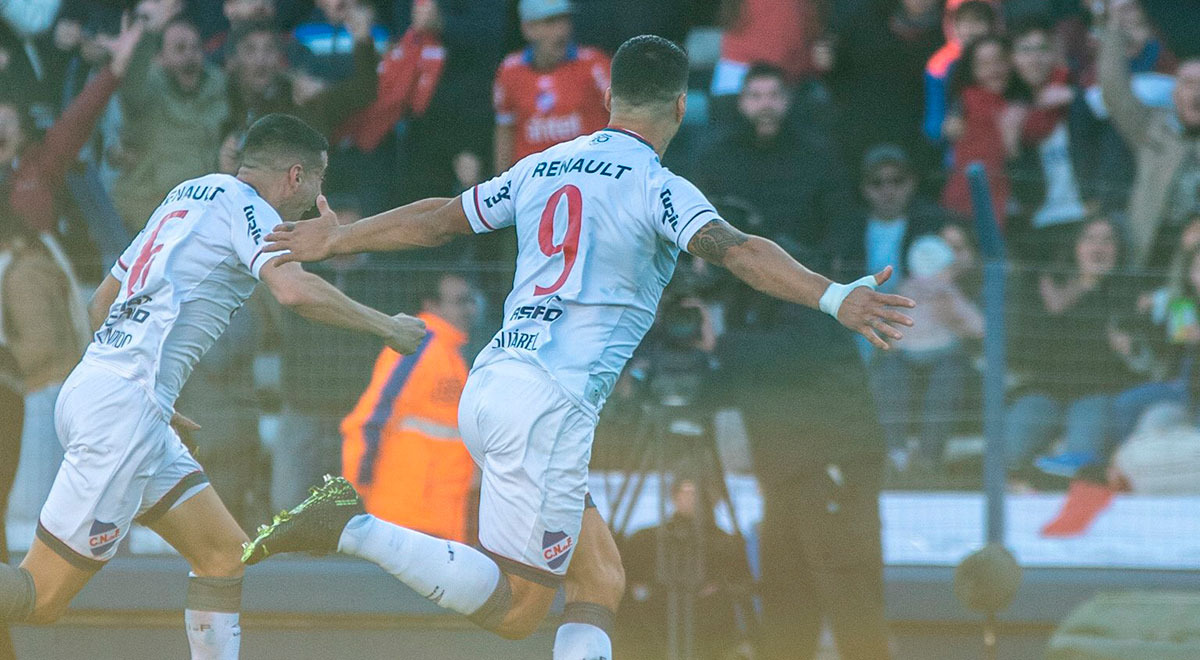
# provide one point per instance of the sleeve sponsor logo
(669, 217)
(500, 196)
(252, 229)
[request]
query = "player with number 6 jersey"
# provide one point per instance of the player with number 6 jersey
(166, 301)
(599, 224)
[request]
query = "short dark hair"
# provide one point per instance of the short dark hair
(242, 31)
(981, 9)
(649, 69)
(764, 70)
(1029, 24)
(279, 137)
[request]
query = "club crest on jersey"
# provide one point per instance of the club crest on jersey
(556, 547)
(102, 537)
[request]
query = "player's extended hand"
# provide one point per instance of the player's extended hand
(308, 240)
(184, 428)
(405, 335)
(873, 314)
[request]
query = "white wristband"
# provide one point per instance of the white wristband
(831, 300)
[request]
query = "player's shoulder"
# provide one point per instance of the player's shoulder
(514, 61)
(591, 55)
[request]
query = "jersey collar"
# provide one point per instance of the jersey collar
(625, 131)
(572, 54)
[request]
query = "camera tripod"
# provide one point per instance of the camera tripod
(671, 434)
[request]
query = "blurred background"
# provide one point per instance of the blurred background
(1031, 168)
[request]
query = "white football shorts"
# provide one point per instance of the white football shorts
(532, 444)
(123, 463)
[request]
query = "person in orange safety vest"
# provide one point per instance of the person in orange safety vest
(401, 447)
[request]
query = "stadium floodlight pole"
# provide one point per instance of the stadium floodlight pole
(995, 275)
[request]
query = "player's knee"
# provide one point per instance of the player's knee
(219, 560)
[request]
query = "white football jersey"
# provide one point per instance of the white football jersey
(195, 263)
(600, 223)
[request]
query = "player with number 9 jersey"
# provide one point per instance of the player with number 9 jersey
(600, 223)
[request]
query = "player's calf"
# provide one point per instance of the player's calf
(17, 594)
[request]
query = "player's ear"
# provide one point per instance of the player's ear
(608, 99)
(295, 174)
(680, 107)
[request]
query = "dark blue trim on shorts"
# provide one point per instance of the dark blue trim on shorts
(63, 550)
(588, 502)
(532, 573)
(161, 507)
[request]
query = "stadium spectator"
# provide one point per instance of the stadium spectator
(964, 22)
(985, 126)
(259, 83)
(792, 181)
(32, 173)
(932, 364)
(1045, 187)
(550, 92)
(460, 115)
(238, 13)
(895, 214)
(662, 560)
(27, 54)
(173, 106)
(1108, 168)
(874, 74)
(12, 419)
(44, 325)
(776, 33)
(324, 47)
(1174, 315)
(606, 24)
(401, 448)
(1167, 144)
(1071, 355)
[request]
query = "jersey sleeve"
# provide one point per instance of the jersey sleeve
(121, 267)
(250, 220)
(679, 210)
(489, 205)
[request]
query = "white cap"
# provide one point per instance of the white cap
(536, 10)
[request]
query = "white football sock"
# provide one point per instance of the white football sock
(581, 641)
(214, 627)
(452, 575)
(213, 635)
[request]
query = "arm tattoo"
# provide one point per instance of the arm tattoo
(714, 240)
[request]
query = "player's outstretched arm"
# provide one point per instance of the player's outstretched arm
(768, 268)
(317, 300)
(426, 223)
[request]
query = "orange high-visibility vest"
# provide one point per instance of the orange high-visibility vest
(401, 447)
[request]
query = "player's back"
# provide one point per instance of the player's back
(599, 223)
(182, 278)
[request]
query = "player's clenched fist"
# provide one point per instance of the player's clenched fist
(873, 314)
(309, 240)
(406, 334)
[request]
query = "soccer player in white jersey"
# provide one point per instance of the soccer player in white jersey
(599, 225)
(166, 301)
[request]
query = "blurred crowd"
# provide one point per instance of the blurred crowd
(842, 130)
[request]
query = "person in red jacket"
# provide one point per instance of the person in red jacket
(550, 92)
(32, 172)
(401, 447)
(984, 125)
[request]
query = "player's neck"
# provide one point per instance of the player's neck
(252, 178)
(656, 133)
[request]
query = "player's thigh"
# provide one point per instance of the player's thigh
(205, 533)
(56, 580)
(595, 574)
